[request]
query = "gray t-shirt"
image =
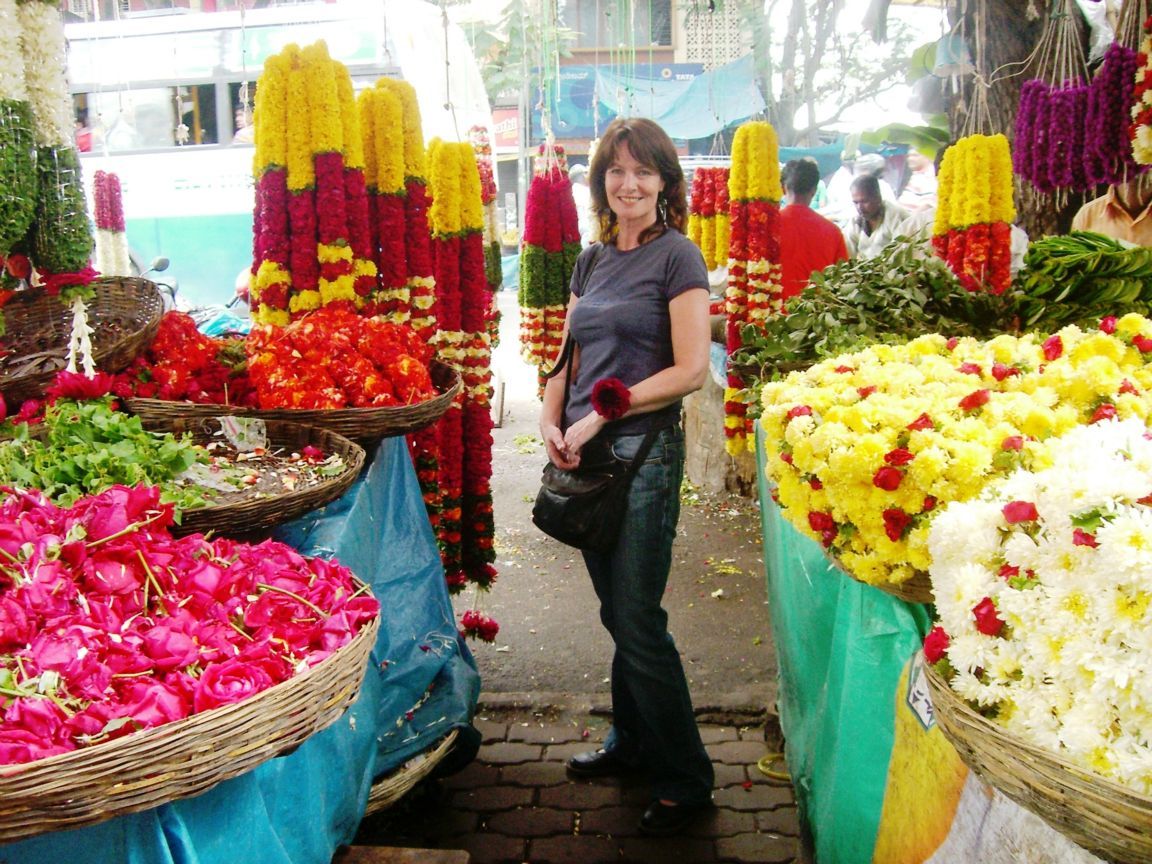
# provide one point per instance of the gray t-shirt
(622, 324)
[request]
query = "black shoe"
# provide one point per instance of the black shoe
(661, 819)
(597, 763)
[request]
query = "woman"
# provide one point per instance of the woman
(639, 319)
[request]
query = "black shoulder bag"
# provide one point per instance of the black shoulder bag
(585, 508)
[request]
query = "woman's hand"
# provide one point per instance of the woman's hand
(583, 431)
(558, 451)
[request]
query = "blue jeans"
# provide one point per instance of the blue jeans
(653, 722)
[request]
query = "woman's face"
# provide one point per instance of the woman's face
(632, 189)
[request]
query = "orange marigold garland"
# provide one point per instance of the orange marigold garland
(754, 289)
(973, 232)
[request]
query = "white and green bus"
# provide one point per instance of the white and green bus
(162, 99)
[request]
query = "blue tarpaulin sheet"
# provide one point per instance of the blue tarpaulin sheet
(297, 808)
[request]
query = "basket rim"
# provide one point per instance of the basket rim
(389, 789)
(915, 589)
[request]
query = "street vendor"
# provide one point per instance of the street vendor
(1122, 213)
(877, 221)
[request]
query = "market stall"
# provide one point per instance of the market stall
(422, 683)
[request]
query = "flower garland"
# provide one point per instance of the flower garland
(382, 128)
(865, 446)
(493, 266)
(1107, 147)
(972, 231)
(1042, 592)
(111, 241)
(754, 289)
(708, 225)
(311, 238)
(1140, 132)
(547, 258)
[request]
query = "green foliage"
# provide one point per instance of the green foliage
(927, 139)
(508, 49)
(62, 236)
(17, 173)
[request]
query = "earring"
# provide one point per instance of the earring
(662, 209)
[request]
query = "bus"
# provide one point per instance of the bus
(164, 102)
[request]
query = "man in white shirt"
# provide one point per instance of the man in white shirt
(877, 221)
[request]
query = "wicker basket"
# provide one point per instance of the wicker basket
(388, 790)
(1109, 820)
(918, 589)
(181, 759)
(124, 315)
(364, 425)
(256, 514)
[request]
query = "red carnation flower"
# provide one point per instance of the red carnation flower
(798, 411)
(895, 521)
(975, 399)
(610, 398)
(865, 392)
(987, 621)
(922, 422)
(1001, 371)
(899, 456)
(970, 369)
(1053, 347)
(73, 385)
(1143, 343)
(1007, 571)
(1012, 442)
(1128, 387)
(952, 343)
(1107, 411)
(935, 644)
(1080, 537)
(1016, 512)
(929, 504)
(1108, 324)
(887, 478)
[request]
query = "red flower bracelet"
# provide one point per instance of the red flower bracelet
(610, 398)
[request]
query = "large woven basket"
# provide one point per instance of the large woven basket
(388, 790)
(257, 514)
(1109, 820)
(918, 589)
(181, 759)
(363, 425)
(124, 316)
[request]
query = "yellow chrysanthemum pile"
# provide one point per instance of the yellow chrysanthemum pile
(865, 447)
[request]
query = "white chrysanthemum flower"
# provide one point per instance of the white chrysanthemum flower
(44, 51)
(12, 86)
(1084, 727)
(965, 533)
(1125, 545)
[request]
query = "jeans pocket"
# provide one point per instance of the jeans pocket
(668, 447)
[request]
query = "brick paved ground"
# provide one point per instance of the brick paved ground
(515, 803)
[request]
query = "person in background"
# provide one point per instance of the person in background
(582, 195)
(877, 221)
(874, 165)
(808, 241)
(245, 132)
(638, 318)
(919, 193)
(1123, 213)
(83, 134)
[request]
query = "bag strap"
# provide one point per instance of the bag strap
(641, 454)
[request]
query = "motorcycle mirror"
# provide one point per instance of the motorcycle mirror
(158, 265)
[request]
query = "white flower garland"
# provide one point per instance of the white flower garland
(12, 84)
(45, 61)
(80, 342)
(112, 253)
(1067, 670)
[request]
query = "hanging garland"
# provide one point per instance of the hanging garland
(111, 241)
(972, 232)
(754, 291)
(382, 129)
(493, 267)
(1141, 129)
(708, 225)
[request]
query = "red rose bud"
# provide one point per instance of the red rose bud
(975, 399)
(887, 478)
(895, 521)
(19, 266)
(1001, 371)
(865, 392)
(987, 621)
(1080, 537)
(1143, 343)
(1007, 571)
(815, 483)
(922, 422)
(798, 411)
(1128, 387)
(929, 504)
(1012, 442)
(1108, 324)
(1053, 347)
(1107, 411)
(899, 456)
(935, 644)
(786, 458)
(970, 369)
(818, 521)
(843, 370)
(1016, 512)
(952, 343)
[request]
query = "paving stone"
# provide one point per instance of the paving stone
(576, 849)
(612, 821)
(510, 753)
(762, 796)
(494, 849)
(492, 799)
(729, 775)
(534, 774)
(564, 752)
(579, 796)
(718, 734)
(553, 734)
(761, 848)
(491, 731)
(737, 752)
(449, 822)
(531, 822)
(785, 820)
(722, 822)
(475, 775)
(666, 850)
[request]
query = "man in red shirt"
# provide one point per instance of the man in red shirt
(808, 241)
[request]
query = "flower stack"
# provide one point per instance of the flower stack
(973, 232)
(1140, 131)
(111, 241)
(456, 219)
(754, 289)
(312, 239)
(1042, 588)
(708, 225)
(493, 268)
(865, 447)
(547, 256)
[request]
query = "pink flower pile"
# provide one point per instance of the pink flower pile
(108, 624)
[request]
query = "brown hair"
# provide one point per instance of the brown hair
(650, 146)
